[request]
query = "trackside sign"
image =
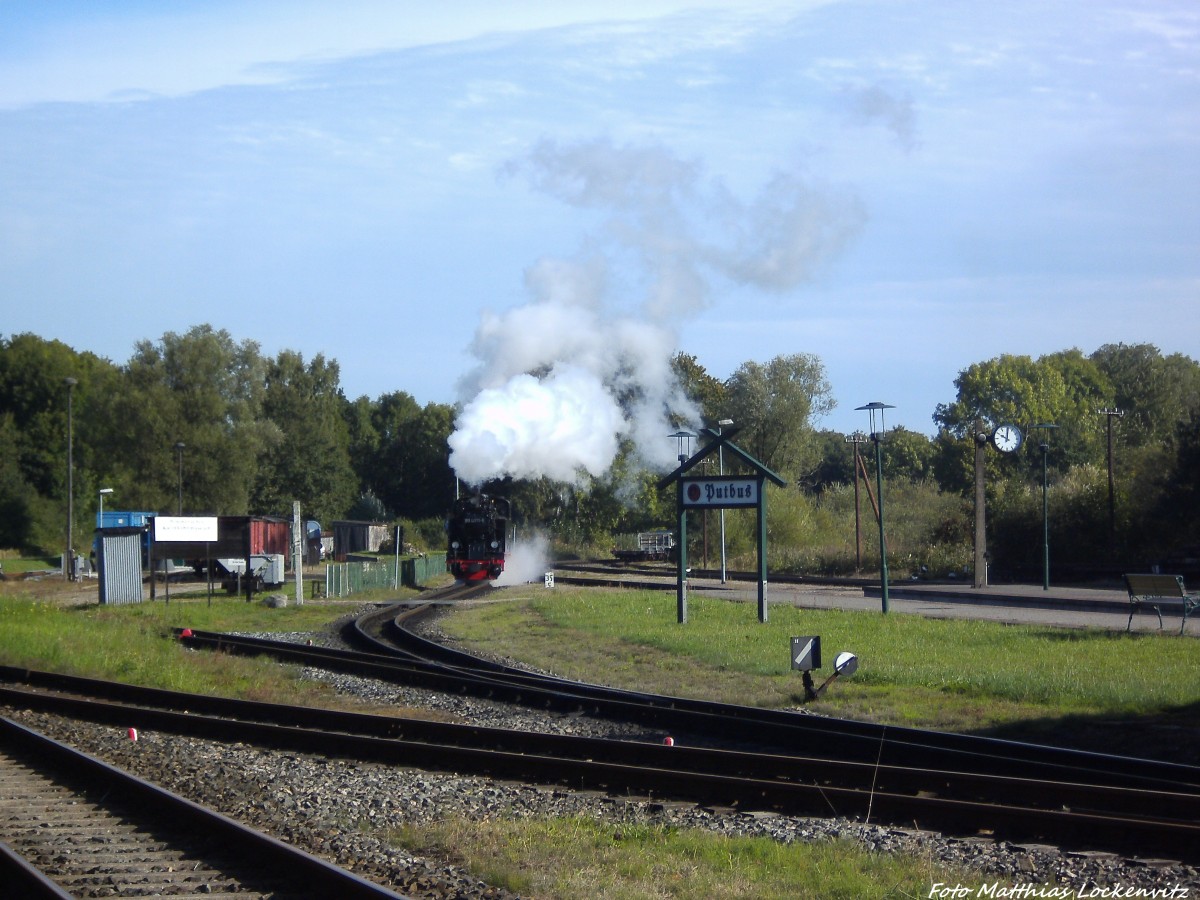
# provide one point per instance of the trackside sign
(721, 492)
(196, 529)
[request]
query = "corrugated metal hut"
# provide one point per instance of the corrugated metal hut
(357, 537)
(120, 565)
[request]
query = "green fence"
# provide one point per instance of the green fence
(343, 579)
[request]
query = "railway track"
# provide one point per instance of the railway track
(73, 826)
(952, 783)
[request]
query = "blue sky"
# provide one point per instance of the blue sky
(900, 188)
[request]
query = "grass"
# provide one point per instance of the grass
(133, 643)
(21, 565)
(949, 674)
(582, 857)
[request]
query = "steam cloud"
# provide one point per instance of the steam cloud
(527, 560)
(875, 104)
(564, 379)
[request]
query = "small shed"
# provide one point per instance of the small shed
(357, 537)
(120, 565)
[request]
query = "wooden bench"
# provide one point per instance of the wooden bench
(1155, 590)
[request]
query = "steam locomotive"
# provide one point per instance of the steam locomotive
(475, 537)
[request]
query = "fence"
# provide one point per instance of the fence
(343, 579)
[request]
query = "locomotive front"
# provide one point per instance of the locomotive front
(475, 535)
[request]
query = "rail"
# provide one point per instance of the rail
(52, 791)
(1128, 819)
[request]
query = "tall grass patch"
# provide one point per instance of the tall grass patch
(582, 857)
(135, 644)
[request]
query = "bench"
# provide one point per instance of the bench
(1155, 590)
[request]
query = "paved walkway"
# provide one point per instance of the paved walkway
(1068, 607)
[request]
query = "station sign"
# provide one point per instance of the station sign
(721, 492)
(195, 529)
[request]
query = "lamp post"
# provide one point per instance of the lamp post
(103, 491)
(683, 439)
(1045, 448)
(721, 470)
(69, 556)
(179, 445)
(876, 438)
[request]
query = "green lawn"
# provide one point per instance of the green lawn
(943, 673)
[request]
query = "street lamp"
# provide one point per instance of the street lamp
(684, 441)
(179, 445)
(876, 438)
(1045, 447)
(721, 469)
(103, 491)
(69, 556)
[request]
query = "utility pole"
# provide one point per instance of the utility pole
(179, 448)
(855, 439)
(877, 437)
(69, 555)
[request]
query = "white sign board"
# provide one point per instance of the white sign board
(195, 529)
(720, 492)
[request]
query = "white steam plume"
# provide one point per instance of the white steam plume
(564, 379)
(526, 560)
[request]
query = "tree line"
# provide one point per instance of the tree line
(1116, 431)
(200, 423)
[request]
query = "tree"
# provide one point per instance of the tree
(364, 440)
(1156, 393)
(775, 404)
(33, 393)
(1062, 389)
(427, 458)
(907, 454)
(18, 499)
(707, 392)
(402, 454)
(310, 459)
(835, 461)
(1177, 504)
(204, 390)
(34, 411)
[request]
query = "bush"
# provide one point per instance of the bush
(927, 530)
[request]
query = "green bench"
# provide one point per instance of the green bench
(1156, 590)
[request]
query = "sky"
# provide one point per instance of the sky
(444, 197)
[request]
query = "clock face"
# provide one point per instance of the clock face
(1007, 438)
